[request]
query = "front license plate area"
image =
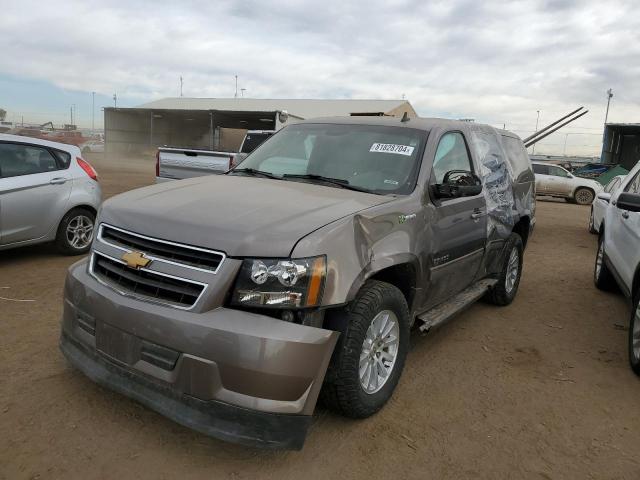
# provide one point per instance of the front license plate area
(117, 344)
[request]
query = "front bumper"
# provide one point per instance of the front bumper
(229, 374)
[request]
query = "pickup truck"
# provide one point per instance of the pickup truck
(231, 303)
(175, 163)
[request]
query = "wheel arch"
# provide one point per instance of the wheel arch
(402, 271)
(523, 228)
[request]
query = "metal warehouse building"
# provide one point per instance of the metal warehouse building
(220, 123)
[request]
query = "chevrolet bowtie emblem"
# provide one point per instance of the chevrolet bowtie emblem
(135, 260)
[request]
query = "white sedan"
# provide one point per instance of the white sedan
(555, 181)
(599, 206)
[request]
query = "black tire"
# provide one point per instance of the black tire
(64, 242)
(602, 276)
(503, 293)
(634, 334)
(592, 228)
(342, 391)
(584, 196)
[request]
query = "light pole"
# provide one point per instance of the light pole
(609, 95)
(242, 92)
(93, 106)
(537, 120)
(115, 101)
(236, 94)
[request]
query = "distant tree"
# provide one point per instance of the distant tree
(3, 114)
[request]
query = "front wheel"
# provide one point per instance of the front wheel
(634, 335)
(504, 291)
(592, 228)
(371, 351)
(602, 276)
(75, 232)
(583, 196)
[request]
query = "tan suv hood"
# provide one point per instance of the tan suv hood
(239, 215)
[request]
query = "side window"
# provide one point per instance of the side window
(558, 172)
(516, 154)
(634, 185)
(540, 169)
(612, 185)
(17, 160)
(452, 154)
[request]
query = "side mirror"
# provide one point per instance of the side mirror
(604, 196)
(458, 183)
(629, 201)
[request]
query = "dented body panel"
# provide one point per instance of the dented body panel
(211, 358)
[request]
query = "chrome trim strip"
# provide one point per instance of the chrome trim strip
(142, 297)
(470, 254)
(160, 259)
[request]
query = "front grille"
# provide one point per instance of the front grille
(145, 283)
(161, 249)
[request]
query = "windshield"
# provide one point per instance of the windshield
(375, 158)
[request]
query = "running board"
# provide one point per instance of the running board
(445, 311)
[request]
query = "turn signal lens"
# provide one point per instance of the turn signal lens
(318, 272)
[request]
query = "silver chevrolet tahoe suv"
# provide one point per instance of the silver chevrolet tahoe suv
(231, 303)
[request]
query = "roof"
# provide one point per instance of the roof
(419, 123)
(36, 141)
(304, 108)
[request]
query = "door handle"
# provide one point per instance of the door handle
(58, 181)
(625, 214)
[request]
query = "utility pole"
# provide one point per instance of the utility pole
(236, 94)
(180, 85)
(537, 120)
(93, 106)
(609, 95)
(71, 114)
(115, 101)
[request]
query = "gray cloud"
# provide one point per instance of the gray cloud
(495, 61)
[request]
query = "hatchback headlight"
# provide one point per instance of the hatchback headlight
(280, 283)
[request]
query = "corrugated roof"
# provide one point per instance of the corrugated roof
(300, 107)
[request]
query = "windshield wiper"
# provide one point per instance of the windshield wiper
(255, 172)
(339, 182)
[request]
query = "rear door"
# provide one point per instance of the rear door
(542, 178)
(34, 188)
(459, 226)
(623, 233)
(560, 181)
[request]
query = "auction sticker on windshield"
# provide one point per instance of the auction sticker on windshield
(391, 148)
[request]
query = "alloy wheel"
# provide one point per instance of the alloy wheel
(513, 266)
(379, 351)
(80, 232)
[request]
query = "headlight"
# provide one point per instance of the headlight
(283, 283)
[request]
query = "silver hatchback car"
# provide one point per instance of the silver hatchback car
(48, 193)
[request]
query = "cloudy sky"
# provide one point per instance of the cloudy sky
(497, 62)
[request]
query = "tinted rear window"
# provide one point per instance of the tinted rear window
(541, 169)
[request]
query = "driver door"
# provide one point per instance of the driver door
(459, 226)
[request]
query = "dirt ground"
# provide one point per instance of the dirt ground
(539, 389)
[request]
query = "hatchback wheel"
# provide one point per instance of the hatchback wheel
(75, 232)
(370, 355)
(583, 196)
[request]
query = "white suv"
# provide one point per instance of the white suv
(48, 193)
(555, 181)
(618, 258)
